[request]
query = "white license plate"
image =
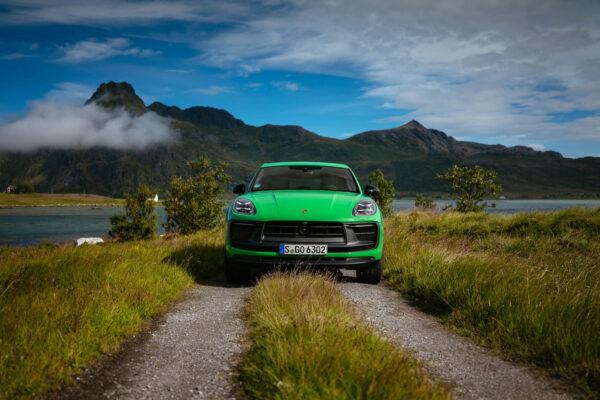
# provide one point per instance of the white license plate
(303, 249)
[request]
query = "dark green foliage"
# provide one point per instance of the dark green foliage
(139, 220)
(471, 185)
(193, 204)
(386, 191)
(24, 187)
(424, 203)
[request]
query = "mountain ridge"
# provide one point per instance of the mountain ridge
(411, 155)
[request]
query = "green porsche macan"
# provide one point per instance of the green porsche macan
(304, 213)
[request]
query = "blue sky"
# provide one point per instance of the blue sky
(499, 71)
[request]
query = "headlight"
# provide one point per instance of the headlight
(364, 208)
(243, 206)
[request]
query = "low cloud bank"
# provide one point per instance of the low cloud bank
(49, 124)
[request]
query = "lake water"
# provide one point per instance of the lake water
(32, 225)
(512, 206)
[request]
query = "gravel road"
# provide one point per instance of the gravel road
(474, 372)
(192, 353)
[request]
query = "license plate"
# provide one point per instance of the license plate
(303, 249)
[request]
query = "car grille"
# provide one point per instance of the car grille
(340, 238)
(304, 229)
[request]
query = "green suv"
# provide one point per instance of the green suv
(304, 213)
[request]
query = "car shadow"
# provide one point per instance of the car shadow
(205, 264)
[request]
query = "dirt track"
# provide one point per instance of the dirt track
(475, 373)
(193, 351)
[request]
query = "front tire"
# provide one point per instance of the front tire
(370, 275)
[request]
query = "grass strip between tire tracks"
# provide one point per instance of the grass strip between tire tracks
(308, 343)
(63, 307)
(527, 284)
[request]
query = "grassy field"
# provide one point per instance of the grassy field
(528, 284)
(316, 347)
(63, 199)
(61, 308)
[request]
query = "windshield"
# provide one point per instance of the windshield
(304, 177)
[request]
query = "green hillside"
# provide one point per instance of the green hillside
(411, 155)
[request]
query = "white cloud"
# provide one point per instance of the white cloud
(291, 86)
(498, 68)
(92, 50)
(211, 90)
(536, 146)
(49, 124)
(254, 85)
(14, 56)
(33, 46)
(468, 68)
(180, 71)
(110, 12)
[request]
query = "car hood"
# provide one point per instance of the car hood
(305, 205)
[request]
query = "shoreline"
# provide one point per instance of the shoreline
(91, 205)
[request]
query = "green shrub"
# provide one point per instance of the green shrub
(471, 185)
(386, 191)
(139, 220)
(424, 203)
(193, 204)
(24, 187)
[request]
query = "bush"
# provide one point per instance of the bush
(139, 220)
(24, 187)
(424, 203)
(193, 204)
(471, 185)
(386, 191)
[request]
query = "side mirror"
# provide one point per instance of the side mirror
(240, 188)
(371, 190)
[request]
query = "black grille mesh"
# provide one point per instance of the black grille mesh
(304, 229)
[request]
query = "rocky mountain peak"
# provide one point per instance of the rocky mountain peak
(115, 95)
(413, 124)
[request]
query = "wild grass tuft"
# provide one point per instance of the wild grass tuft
(308, 343)
(62, 307)
(528, 284)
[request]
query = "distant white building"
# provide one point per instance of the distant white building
(155, 199)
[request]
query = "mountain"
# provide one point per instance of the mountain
(412, 155)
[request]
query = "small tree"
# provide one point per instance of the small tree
(471, 185)
(139, 220)
(24, 187)
(424, 203)
(386, 191)
(193, 203)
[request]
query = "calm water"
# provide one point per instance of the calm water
(512, 206)
(32, 225)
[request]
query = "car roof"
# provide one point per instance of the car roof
(312, 163)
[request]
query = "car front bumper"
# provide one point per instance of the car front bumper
(350, 245)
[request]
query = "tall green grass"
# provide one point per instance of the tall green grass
(528, 284)
(47, 199)
(61, 308)
(308, 343)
